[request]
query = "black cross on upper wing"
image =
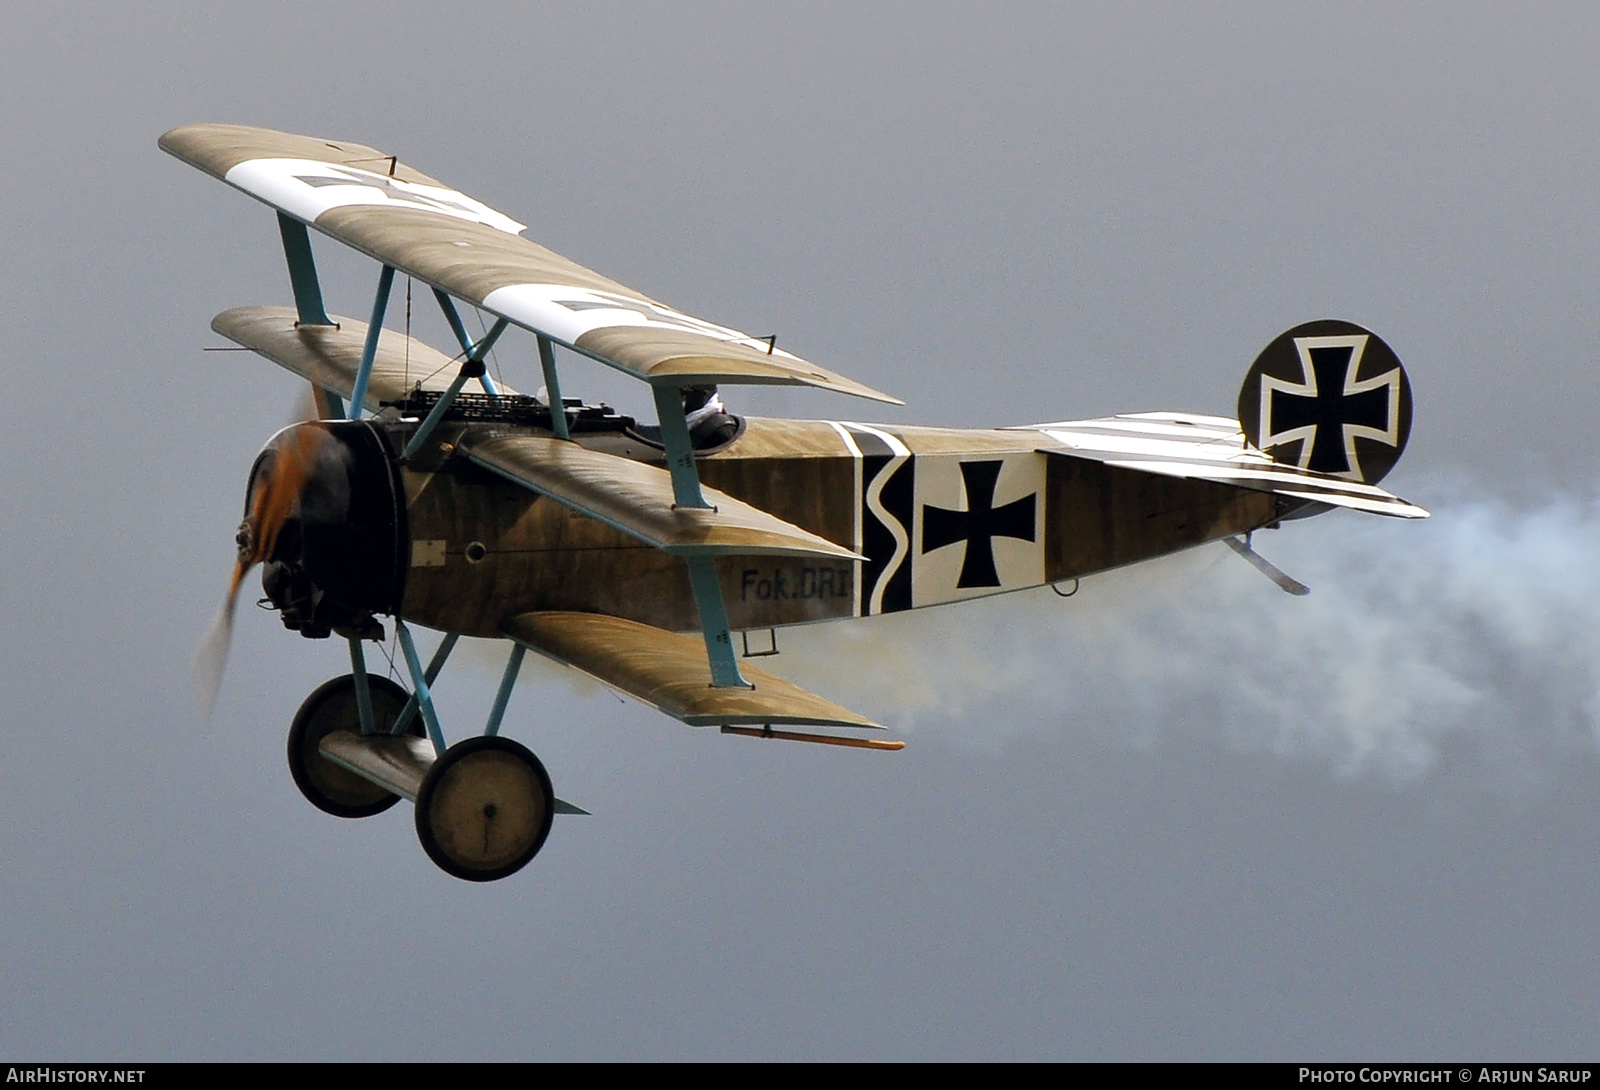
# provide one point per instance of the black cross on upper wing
(437, 200)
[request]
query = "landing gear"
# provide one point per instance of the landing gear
(484, 809)
(484, 805)
(332, 706)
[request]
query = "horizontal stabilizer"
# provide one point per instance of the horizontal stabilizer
(330, 355)
(637, 499)
(417, 225)
(397, 764)
(668, 671)
(1287, 481)
(1210, 448)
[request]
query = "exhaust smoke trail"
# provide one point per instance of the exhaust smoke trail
(1476, 631)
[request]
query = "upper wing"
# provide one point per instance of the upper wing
(412, 222)
(330, 355)
(1211, 448)
(637, 499)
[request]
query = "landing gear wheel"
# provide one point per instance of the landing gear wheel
(484, 809)
(330, 707)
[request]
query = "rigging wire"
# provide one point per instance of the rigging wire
(459, 357)
(388, 653)
(408, 332)
(499, 376)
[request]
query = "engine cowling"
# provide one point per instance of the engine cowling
(337, 552)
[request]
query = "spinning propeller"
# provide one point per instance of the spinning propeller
(279, 479)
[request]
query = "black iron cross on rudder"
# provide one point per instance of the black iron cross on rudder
(1329, 409)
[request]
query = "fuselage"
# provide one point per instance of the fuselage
(940, 515)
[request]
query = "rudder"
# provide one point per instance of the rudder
(1331, 397)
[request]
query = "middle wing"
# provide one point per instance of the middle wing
(637, 499)
(330, 355)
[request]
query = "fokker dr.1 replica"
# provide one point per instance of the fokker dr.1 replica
(639, 552)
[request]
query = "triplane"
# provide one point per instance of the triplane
(645, 554)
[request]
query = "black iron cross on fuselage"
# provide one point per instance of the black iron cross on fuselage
(978, 525)
(1329, 409)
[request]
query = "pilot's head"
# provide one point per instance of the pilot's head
(697, 397)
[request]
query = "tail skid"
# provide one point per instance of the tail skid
(1285, 582)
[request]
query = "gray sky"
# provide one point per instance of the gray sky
(1181, 816)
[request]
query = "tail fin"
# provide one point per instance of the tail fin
(1331, 397)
